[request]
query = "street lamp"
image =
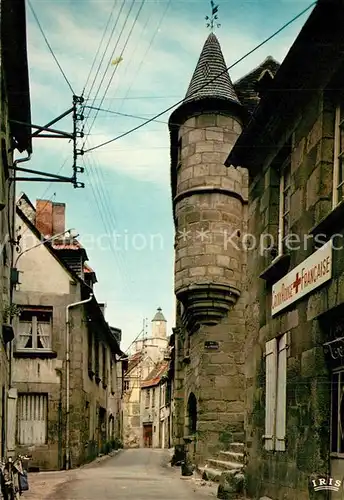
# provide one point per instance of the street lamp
(14, 270)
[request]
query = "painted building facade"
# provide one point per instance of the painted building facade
(146, 353)
(156, 415)
(66, 357)
(15, 144)
(210, 211)
(295, 317)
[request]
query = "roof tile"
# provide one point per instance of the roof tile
(210, 65)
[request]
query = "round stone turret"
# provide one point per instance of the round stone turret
(208, 199)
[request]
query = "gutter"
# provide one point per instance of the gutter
(74, 304)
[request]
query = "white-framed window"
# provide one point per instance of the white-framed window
(34, 329)
(32, 412)
(153, 398)
(338, 167)
(284, 206)
(276, 393)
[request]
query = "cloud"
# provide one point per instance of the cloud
(155, 63)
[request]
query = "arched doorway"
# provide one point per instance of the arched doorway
(192, 414)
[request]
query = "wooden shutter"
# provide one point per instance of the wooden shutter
(281, 406)
(270, 395)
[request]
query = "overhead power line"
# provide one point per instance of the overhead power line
(122, 52)
(49, 46)
(205, 85)
(99, 47)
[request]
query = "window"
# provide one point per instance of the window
(147, 399)
(275, 397)
(34, 329)
(338, 169)
(32, 419)
(179, 160)
(284, 206)
(337, 414)
(96, 356)
(153, 398)
(104, 376)
(126, 385)
(90, 350)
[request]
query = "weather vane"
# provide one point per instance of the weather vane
(212, 20)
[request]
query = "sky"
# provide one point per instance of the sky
(124, 213)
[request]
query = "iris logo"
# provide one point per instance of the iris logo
(326, 484)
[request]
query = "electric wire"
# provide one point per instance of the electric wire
(110, 59)
(49, 46)
(105, 220)
(131, 58)
(205, 85)
(146, 52)
(122, 52)
(101, 62)
(103, 195)
(99, 47)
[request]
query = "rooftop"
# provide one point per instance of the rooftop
(211, 78)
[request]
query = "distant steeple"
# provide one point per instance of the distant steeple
(210, 65)
(159, 316)
(159, 324)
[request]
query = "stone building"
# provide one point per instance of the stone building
(293, 150)
(14, 106)
(155, 408)
(210, 211)
(66, 356)
(146, 353)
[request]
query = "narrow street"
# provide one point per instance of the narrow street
(143, 474)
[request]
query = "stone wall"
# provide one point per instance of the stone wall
(287, 474)
(6, 214)
(210, 217)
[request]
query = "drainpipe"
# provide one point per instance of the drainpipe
(74, 304)
(12, 240)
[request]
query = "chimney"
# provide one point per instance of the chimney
(44, 217)
(58, 223)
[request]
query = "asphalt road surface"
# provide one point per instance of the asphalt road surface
(140, 474)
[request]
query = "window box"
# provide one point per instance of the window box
(35, 353)
(330, 224)
(277, 269)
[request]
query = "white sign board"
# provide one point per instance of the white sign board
(305, 278)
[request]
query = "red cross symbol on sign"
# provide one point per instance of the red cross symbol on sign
(297, 282)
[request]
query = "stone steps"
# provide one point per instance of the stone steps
(210, 474)
(232, 456)
(224, 465)
(236, 447)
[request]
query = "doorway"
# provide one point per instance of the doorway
(147, 435)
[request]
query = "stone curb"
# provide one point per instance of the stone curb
(99, 460)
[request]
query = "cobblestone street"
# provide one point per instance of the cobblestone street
(143, 474)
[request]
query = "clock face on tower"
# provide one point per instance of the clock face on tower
(158, 323)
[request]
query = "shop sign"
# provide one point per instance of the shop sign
(334, 352)
(303, 279)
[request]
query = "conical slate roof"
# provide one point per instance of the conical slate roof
(210, 65)
(159, 316)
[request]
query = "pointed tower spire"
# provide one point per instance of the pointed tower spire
(211, 78)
